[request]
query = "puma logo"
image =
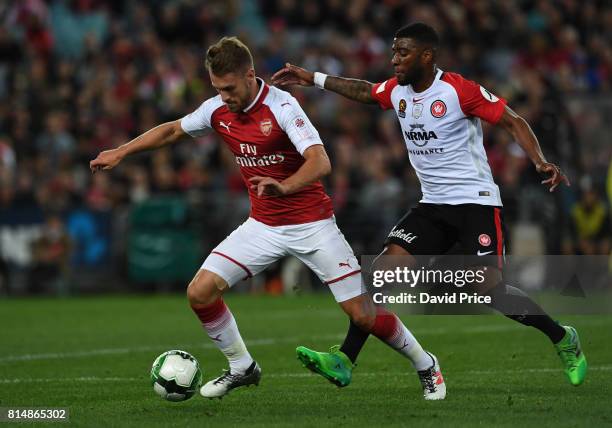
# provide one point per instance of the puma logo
(403, 346)
(221, 123)
(217, 338)
(342, 264)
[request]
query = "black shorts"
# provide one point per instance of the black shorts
(432, 229)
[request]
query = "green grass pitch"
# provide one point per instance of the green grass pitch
(93, 355)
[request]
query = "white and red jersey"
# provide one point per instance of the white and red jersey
(443, 135)
(268, 139)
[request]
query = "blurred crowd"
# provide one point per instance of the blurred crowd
(81, 76)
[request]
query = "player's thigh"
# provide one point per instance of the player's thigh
(247, 251)
(421, 233)
(482, 236)
(324, 250)
(393, 256)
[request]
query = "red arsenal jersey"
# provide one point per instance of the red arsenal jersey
(268, 139)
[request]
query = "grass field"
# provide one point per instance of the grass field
(93, 355)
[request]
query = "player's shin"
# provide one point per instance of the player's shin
(354, 341)
(516, 305)
(390, 329)
(221, 327)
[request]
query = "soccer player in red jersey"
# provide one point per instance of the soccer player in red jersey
(439, 114)
(281, 158)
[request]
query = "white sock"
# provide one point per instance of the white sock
(408, 346)
(224, 333)
(390, 329)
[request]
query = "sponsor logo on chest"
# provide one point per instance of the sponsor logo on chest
(419, 135)
(250, 159)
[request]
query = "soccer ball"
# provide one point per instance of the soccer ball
(176, 375)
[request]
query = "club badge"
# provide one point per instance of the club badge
(266, 127)
(484, 240)
(438, 108)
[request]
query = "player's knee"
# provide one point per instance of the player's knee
(365, 321)
(205, 288)
(491, 278)
(361, 311)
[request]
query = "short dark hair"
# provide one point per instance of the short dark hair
(422, 33)
(228, 55)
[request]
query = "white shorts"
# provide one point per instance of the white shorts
(253, 246)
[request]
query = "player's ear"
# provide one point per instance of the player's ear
(427, 55)
(250, 74)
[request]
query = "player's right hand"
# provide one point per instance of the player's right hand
(105, 160)
(293, 75)
(267, 186)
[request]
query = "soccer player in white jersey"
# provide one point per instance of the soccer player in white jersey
(439, 115)
(281, 159)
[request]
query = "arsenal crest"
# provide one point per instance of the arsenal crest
(266, 127)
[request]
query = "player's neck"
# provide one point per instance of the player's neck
(253, 91)
(426, 81)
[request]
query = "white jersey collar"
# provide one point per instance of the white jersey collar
(261, 84)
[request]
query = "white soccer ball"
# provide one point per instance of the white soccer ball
(176, 375)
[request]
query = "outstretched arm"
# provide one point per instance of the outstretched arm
(354, 89)
(317, 166)
(522, 133)
(164, 134)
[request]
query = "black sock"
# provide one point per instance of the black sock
(516, 305)
(353, 342)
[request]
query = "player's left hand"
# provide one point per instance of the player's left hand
(553, 174)
(293, 75)
(267, 186)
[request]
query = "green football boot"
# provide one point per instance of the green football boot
(334, 365)
(571, 355)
